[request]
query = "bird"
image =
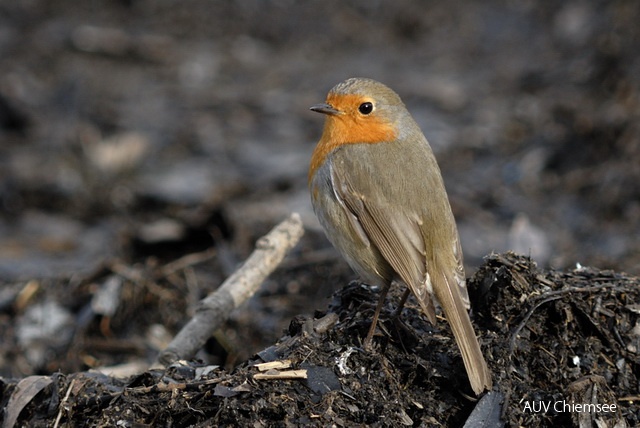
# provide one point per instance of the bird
(378, 193)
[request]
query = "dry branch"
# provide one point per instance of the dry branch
(216, 307)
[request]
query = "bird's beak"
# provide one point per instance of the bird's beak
(325, 108)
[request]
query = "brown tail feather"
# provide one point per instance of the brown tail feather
(448, 294)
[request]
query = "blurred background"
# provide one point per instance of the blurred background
(143, 131)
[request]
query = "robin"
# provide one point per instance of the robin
(377, 191)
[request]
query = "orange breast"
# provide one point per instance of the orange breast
(349, 129)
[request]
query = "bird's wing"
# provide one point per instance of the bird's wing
(396, 234)
(395, 226)
(458, 273)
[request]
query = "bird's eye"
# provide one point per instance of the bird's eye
(365, 108)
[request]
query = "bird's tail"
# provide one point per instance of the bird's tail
(449, 296)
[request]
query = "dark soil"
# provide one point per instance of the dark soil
(548, 336)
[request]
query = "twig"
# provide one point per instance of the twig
(287, 374)
(630, 398)
(273, 365)
(216, 307)
(550, 297)
(64, 404)
(188, 260)
(516, 331)
(170, 387)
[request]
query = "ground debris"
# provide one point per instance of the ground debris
(551, 338)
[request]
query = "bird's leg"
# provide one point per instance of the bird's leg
(376, 315)
(403, 300)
